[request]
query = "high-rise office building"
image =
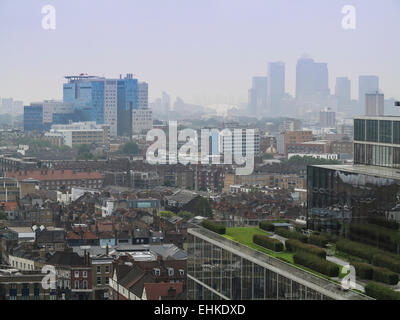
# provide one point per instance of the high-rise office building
(127, 89)
(51, 107)
(374, 104)
(327, 118)
(276, 84)
(143, 95)
(257, 103)
(343, 92)
(33, 117)
(106, 101)
(368, 191)
(311, 80)
(366, 84)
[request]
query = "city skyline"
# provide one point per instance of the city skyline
(179, 60)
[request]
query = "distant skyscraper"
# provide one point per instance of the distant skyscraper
(33, 117)
(311, 79)
(366, 84)
(343, 92)
(374, 104)
(257, 103)
(327, 118)
(276, 84)
(166, 102)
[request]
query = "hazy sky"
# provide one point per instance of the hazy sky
(201, 50)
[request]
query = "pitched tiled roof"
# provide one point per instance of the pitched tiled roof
(72, 235)
(89, 236)
(155, 291)
(10, 205)
(66, 259)
(46, 175)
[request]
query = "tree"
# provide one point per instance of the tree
(185, 214)
(203, 208)
(130, 148)
(3, 215)
(267, 156)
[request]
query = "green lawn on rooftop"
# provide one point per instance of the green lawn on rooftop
(244, 235)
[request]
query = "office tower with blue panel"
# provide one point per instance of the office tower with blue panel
(127, 95)
(89, 97)
(33, 117)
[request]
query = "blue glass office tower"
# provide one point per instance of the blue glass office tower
(127, 95)
(87, 94)
(33, 118)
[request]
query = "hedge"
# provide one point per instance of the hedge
(382, 260)
(267, 242)
(317, 264)
(319, 241)
(384, 275)
(356, 249)
(291, 234)
(331, 237)
(296, 246)
(381, 292)
(213, 226)
(267, 226)
(363, 270)
(381, 237)
(361, 250)
(383, 222)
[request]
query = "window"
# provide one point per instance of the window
(107, 269)
(76, 274)
(170, 272)
(156, 271)
(181, 272)
(99, 281)
(76, 284)
(98, 269)
(84, 274)
(84, 284)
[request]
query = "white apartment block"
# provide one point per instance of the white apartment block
(110, 106)
(54, 106)
(142, 120)
(143, 95)
(240, 142)
(79, 133)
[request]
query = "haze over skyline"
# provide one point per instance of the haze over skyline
(193, 49)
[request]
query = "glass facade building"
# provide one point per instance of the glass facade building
(340, 194)
(88, 96)
(128, 100)
(377, 141)
(343, 194)
(33, 118)
(221, 269)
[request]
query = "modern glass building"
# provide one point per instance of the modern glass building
(222, 269)
(33, 117)
(377, 141)
(128, 100)
(93, 100)
(340, 194)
